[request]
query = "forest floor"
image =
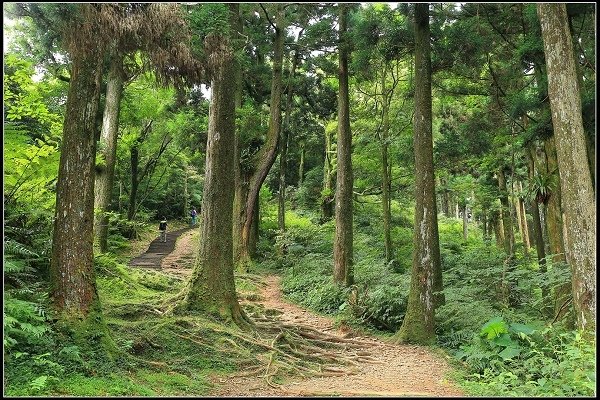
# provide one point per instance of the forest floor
(387, 369)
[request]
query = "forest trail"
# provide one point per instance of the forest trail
(157, 250)
(387, 370)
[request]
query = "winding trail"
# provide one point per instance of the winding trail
(392, 370)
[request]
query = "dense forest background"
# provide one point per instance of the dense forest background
(422, 172)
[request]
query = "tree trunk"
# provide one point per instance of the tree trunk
(554, 229)
(575, 179)
(134, 157)
(284, 145)
(301, 165)
(108, 147)
(327, 197)
(240, 189)
(72, 276)
(465, 221)
(509, 240)
(268, 153)
(343, 273)
(525, 227)
(418, 324)
(385, 169)
(211, 288)
(509, 237)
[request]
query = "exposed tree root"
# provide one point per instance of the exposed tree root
(300, 350)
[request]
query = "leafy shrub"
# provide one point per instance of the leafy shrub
(523, 360)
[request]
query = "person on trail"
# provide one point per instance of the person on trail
(162, 227)
(193, 214)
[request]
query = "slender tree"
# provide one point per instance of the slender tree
(105, 170)
(268, 153)
(342, 246)
(575, 179)
(418, 324)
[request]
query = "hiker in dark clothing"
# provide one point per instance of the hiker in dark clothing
(162, 227)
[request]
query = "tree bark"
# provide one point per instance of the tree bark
(268, 153)
(211, 288)
(343, 273)
(385, 169)
(575, 179)
(327, 198)
(426, 277)
(108, 145)
(525, 226)
(284, 145)
(72, 276)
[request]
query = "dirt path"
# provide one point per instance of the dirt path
(399, 370)
(395, 370)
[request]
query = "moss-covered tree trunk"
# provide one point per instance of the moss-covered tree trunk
(343, 273)
(211, 288)
(267, 154)
(105, 169)
(418, 325)
(72, 277)
(575, 179)
(554, 229)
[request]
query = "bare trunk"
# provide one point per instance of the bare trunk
(343, 273)
(385, 170)
(105, 173)
(301, 166)
(327, 197)
(575, 179)
(267, 154)
(525, 227)
(211, 288)
(284, 146)
(418, 325)
(72, 276)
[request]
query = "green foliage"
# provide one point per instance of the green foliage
(524, 360)
(541, 187)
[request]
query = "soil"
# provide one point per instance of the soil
(392, 370)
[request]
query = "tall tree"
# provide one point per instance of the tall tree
(105, 170)
(283, 154)
(72, 268)
(342, 245)
(265, 158)
(211, 288)
(575, 179)
(418, 324)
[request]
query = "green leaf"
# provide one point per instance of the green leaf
(510, 352)
(504, 340)
(494, 328)
(521, 328)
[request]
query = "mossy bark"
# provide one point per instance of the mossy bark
(108, 149)
(577, 192)
(343, 273)
(426, 278)
(265, 158)
(211, 289)
(72, 277)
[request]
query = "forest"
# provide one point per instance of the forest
(393, 199)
